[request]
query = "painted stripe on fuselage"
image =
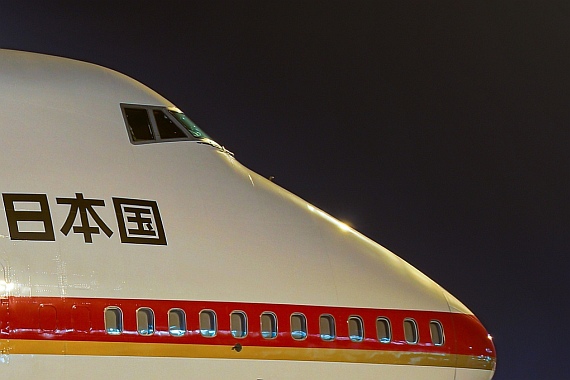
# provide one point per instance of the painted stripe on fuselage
(47, 347)
(76, 326)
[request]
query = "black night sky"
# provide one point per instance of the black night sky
(439, 129)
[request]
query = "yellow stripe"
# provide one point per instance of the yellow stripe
(50, 347)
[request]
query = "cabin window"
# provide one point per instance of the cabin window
(145, 321)
(176, 322)
(436, 330)
(411, 331)
(138, 124)
(208, 323)
(298, 326)
(268, 325)
(238, 324)
(355, 328)
(113, 320)
(326, 326)
(383, 330)
(166, 127)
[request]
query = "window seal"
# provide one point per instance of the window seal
(118, 312)
(332, 328)
(242, 333)
(303, 327)
(388, 338)
(275, 329)
(361, 325)
(150, 324)
(440, 331)
(415, 331)
(182, 322)
(213, 328)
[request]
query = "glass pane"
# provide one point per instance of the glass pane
(145, 321)
(238, 324)
(383, 330)
(436, 330)
(327, 328)
(189, 125)
(176, 322)
(355, 330)
(268, 325)
(298, 326)
(139, 124)
(411, 331)
(166, 127)
(207, 323)
(113, 320)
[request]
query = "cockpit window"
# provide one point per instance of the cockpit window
(166, 127)
(189, 125)
(147, 124)
(138, 124)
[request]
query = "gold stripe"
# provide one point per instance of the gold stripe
(50, 347)
(476, 362)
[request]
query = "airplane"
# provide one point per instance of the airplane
(133, 245)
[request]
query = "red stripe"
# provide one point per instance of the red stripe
(464, 334)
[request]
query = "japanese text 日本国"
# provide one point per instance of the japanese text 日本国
(29, 218)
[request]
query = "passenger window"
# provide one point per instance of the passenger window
(411, 331)
(436, 329)
(238, 324)
(383, 330)
(176, 322)
(138, 124)
(145, 321)
(166, 127)
(268, 325)
(326, 326)
(208, 323)
(355, 329)
(113, 320)
(298, 326)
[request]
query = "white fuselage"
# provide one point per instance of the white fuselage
(231, 238)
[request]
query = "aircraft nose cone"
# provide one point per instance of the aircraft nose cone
(475, 347)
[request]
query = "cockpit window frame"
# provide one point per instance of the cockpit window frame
(150, 113)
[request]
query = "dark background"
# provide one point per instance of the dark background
(439, 129)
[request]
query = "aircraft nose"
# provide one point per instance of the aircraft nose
(475, 347)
